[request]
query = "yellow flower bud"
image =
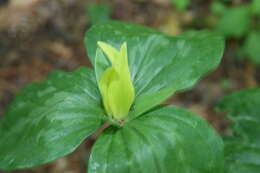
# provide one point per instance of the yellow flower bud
(115, 84)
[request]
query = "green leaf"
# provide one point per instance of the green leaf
(242, 149)
(48, 120)
(98, 12)
(159, 64)
(235, 21)
(218, 7)
(165, 140)
(256, 7)
(251, 47)
(241, 156)
(243, 108)
(181, 5)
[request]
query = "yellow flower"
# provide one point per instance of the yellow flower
(115, 84)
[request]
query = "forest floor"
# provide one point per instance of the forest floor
(37, 37)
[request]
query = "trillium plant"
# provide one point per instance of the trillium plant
(135, 70)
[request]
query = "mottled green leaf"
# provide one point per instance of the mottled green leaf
(241, 156)
(166, 140)
(159, 64)
(49, 119)
(242, 148)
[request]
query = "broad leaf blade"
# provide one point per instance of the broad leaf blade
(242, 149)
(48, 120)
(166, 140)
(241, 156)
(157, 62)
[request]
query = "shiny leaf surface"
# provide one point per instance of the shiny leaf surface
(48, 120)
(242, 149)
(159, 64)
(166, 140)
